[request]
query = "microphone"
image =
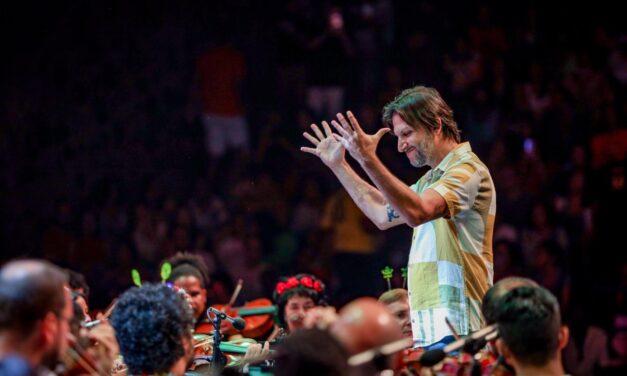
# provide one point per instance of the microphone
(91, 324)
(238, 322)
(470, 344)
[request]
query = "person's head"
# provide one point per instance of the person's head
(190, 273)
(77, 282)
(421, 120)
(310, 352)
(153, 325)
(294, 296)
(82, 303)
(365, 323)
(531, 334)
(35, 310)
(397, 302)
(491, 303)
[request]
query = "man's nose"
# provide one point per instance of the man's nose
(401, 145)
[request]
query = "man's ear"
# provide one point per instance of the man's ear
(47, 329)
(438, 130)
(563, 336)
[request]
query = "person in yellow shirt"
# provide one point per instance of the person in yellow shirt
(353, 244)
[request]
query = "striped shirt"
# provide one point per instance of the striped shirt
(450, 261)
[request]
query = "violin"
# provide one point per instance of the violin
(78, 361)
(258, 314)
(461, 364)
(233, 351)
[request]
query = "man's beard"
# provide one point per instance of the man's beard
(419, 161)
(423, 149)
(51, 359)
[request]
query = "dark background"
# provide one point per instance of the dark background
(103, 164)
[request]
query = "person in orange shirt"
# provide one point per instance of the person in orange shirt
(220, 72)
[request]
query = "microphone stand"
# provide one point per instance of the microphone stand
(473, 347)
(218, 360)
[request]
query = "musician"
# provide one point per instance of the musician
(310, 352)
(190, 273)
(94, 349)
(397, 302)
(35, 314)
(531, 335)
(294, 296)
(361, 325)
(491, 301)
(153, 325)
(80, 291)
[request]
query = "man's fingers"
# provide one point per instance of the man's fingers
(311, 138)
(342, 140)
(313, 151)
(381, 132)
(339, 128)
(354, 122)
(317, 132)
(327, 129)
(344, 122)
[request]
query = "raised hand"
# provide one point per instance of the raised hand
(327, 147)
(360, 145)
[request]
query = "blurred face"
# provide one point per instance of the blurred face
(84, 307)
(194, 289)
(295, 311)
(400, 310)
(55, 331)
(416, 143)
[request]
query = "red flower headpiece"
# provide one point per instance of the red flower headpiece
(306, 281)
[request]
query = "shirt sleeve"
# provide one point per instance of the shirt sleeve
(458, 186)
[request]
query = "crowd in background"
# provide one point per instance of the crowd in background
(106, 164)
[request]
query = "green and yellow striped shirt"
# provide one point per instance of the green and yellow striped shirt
(450, 261)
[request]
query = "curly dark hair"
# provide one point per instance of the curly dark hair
(150, 323)
(189, 264)
(281, 297)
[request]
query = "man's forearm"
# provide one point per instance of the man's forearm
(408, 204)
(371, 202)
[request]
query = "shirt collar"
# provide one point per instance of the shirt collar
(458, 150)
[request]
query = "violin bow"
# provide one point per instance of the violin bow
(236, 292)
(110, 308)
(451, 328)
(77, 353)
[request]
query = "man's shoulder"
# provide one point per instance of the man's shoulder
(16, 366)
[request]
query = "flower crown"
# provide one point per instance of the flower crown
(307, 281)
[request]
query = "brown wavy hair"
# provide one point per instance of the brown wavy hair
(422, 106)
